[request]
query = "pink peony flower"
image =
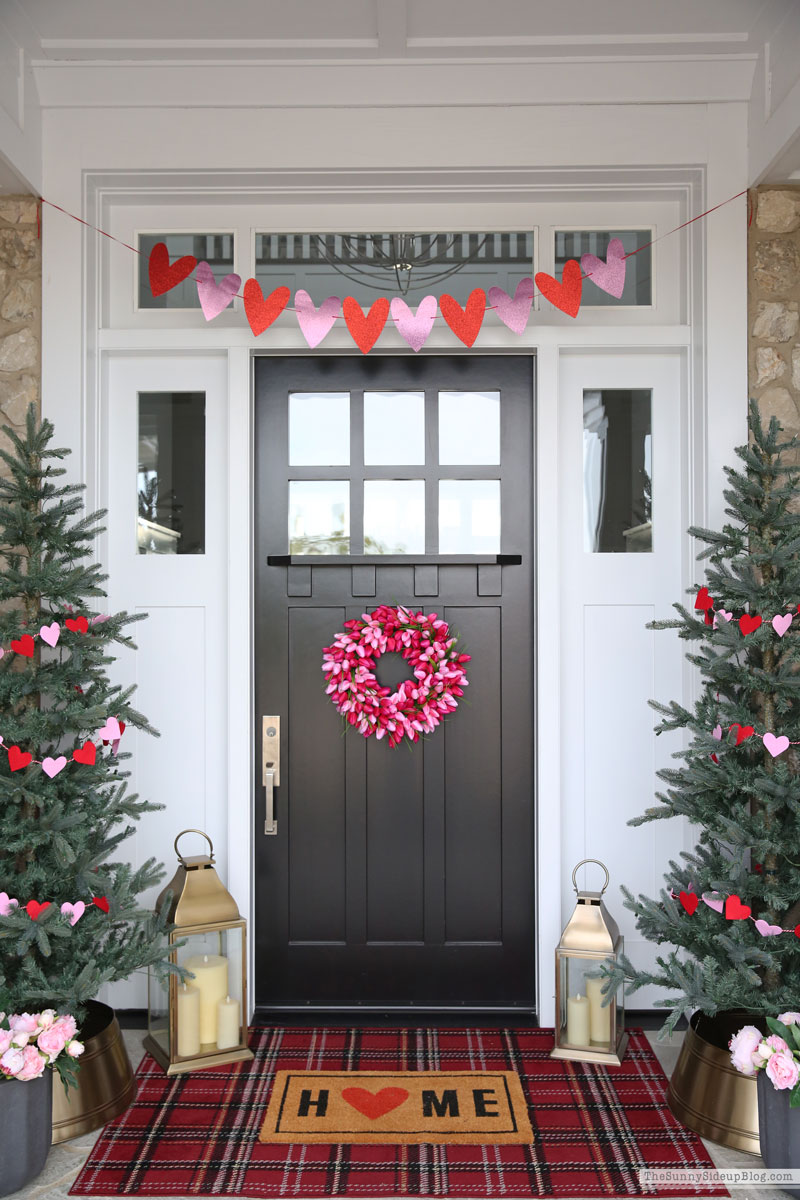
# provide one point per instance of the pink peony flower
(777, 1044)
(68, 1025)
(75, 1049)
(23, 1022)
(47, 1018)
(5, 1040)
(12, 1062)
(789, 1018)
(742, 1047)
(52, 1041)
(783, 1070)
(33, 1064)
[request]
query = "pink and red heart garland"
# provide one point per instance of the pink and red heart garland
(734, 909)
(34, 908)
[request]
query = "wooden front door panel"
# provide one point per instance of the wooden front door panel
(403, 877)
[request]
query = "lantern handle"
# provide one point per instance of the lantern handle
(599, 864)
(205, 835)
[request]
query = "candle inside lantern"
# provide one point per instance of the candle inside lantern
(188, 1021)
(229, 1026)
(599, 1017)
(578, 1020)
(211, 981)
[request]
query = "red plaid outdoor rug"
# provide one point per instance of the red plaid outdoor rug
(594, 1127)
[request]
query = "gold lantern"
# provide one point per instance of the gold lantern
(586, 1029)
(200, 1023)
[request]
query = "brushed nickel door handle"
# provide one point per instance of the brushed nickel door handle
(271, 769)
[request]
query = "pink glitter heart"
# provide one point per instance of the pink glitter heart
(514, 312)
(781, 623)
(51, 633)
(767, 930)
(414, 327)
(715, 901)
(52, 766)
(315, 323)
(609, 276)
(776, 745)
(213, 296)
(73, 911)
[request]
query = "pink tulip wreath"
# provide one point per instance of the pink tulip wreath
(420, 702)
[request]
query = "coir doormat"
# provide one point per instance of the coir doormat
(472, 1107)
(593, 1128)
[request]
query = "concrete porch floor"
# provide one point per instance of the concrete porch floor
(66, 1160)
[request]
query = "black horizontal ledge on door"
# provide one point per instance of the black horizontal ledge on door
(393, 560)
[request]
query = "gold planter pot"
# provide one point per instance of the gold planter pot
(707, 1093)
(106, 1085)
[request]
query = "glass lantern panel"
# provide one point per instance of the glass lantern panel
(158, 1010)
(584, 1021)
(212, 1022)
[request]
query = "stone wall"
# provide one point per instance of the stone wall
(774, 303)
(20, 309)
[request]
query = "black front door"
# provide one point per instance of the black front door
(396, 877)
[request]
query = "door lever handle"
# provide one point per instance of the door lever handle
(271, 769)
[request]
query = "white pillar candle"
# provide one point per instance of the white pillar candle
(599, 1017)
(578, 1020)
(229, 1026)
(188, 1021)
(211, 980)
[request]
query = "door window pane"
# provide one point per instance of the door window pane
(319, 516)
(319, 429)
(214, 248)
(638, 290)
(617, 471)
(469, 516)
(394, 516)
(394, 428)
(171, 479)
(469, 428)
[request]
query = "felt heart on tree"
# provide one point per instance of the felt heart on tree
(77, 624)
(101, 902)
(374, 1104)
(514, 312)
(7, 904)
(767, 930)
(24, 645)
(365, 329)
(34, 909)
(465, 322)
(17, 759)
(315, 323)
(262, 310)
(797, 931)
(703, 599)
(715, 901)
(50, 633)
(749, 624)
(111, 731)
(725, 616)
(73, 911)
(565, 295)
(743, 732)
(86, 754)
(735, 910)
(609, 276)
(689, 901)
(52, 766)
(780, 623)
(776, 745)
(414, 327)
(165, 275)
(215, 297)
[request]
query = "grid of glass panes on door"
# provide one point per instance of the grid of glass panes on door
(394, 472)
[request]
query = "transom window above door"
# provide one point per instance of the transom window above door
(394, 472)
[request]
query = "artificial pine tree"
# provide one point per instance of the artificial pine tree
(742, 792)
(61, 827)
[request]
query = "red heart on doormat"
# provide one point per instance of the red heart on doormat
(365, 329)
(735, 910)
(464, 322)
(17, 759)
(377, 1104)
(86, 754)
(24, 646)
(567, 294)
(689, 901)
(77, 624)
(261, 311)
(163, 276)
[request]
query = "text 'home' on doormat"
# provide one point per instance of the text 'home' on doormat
(397, 1107)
